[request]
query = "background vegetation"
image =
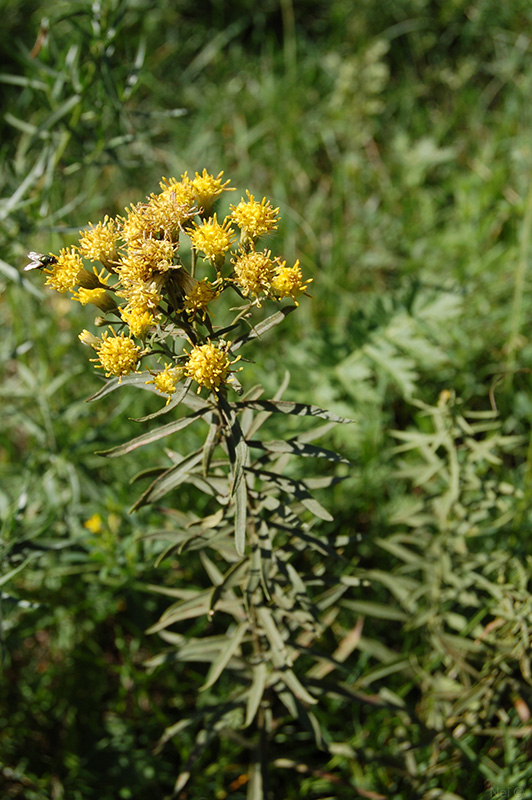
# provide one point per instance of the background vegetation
(395, 137)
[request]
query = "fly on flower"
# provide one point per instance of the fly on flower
(39, 261)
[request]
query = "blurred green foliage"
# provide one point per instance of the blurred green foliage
(395, 137)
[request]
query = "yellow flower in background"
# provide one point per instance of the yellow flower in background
(118, 354)
(94, 524)
(167, 379)
(254, 272)
(99, 243)
(209, 365)
(139, 320)
(288, 282)
(63, 275)
(254, 219)
(213, 239)
(207, 189)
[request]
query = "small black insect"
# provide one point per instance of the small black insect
(39, 261)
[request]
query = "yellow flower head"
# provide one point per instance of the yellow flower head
(97, 297)
(138, 223)
(139, 320)
(181, 193)
(166, 380)
(99, 243)
(254, 272)
(254, 219)
(94, 524)
(200, 297)
(166, 214)
(207, 189)
(146, 256)
(213, 239)
(63, 275)
(118, 355)
(209, 366)
(288, 282)
(140, 293)
(89, 339)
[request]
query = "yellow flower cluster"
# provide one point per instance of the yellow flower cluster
(148, 286)
(209, 365)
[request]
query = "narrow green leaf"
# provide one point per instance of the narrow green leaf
(286, 407)
(237, 445)
(334, 687)
(297, 488)
(210, 443)
(376, 610)
(293, 683)
(274, 637)
(21, 80)
(315, 433)
(175, 400)
(265, 553)
(168, 480)
(59, 112)
(215, 576)
(298, 449)
(241, 505)
(255, 788)
(188, 609)
(225, 655)
(254, 572)
(263, 327)
(15, 276)
(153, 436)
(230, 579)
(324, 482)
(137, 379)
(11, 574)
(256, 691)
(262, 416)
(32, 176)
(147, 473)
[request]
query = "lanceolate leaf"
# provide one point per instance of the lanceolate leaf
(168, 481)
(297, 488)
(262, 416)
(287, 407)
(225, 655)
(293, 683)
(176, 398)
(230, 579)
(188, 609)
(154, 435)
(279, 651)
(256, 691)
(241, 502)
(298, 449)
(377, 610)
(265, 552)
(263, 327)
(137, 379)
(237, 445)
(210, 443)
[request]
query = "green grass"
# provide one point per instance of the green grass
(395, 137)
